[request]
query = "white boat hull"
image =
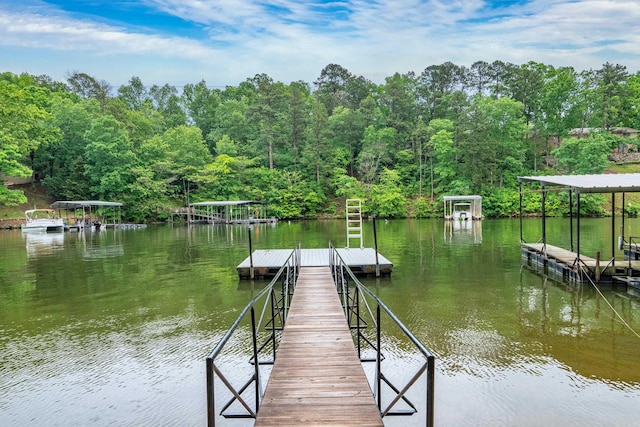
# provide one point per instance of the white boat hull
(42, 221)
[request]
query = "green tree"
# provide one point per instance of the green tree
(299, 99)
(318, 154)
(187, 155)
(386, 199)
(88, 87)
(437, 85)
(231, 121)
(135, 94)
(346, 131)
(224, 179)
(23, 128)
(612, 94)
(201, 106)
(557, 104)
(397, 100)
(166, 101)
(441, 146)
(583, 155)
(376, 152)
(265, 112)
(110, 159)
(331, 87)
(491, 142)
(66, 177)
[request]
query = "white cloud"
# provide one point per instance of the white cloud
(292, 40)
(52, 32)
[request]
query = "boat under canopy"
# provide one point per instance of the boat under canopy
(462, 207)
(94, 212)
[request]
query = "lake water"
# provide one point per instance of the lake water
(113, 328)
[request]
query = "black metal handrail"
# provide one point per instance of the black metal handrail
(352, 300)
(277, 307)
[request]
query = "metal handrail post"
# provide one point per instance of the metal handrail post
(613, 228)
(273, 326)
(378, 361)
(256, 365)
(357, 302)
(211, 410)
(431, 391)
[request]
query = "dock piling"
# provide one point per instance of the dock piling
(375, 244)
(251, 275)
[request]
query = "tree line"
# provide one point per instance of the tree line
(303, 147)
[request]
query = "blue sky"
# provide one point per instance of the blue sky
(224, 42)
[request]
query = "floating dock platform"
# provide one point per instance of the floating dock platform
(565, 265)
(267, 262)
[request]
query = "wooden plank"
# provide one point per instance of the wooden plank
(317, 378)
(560, 254)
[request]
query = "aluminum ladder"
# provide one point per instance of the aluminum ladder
(354, 221)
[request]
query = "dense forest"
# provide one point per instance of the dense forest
(303, 148)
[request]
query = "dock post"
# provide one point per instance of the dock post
(613, 229)
(598, 268)
(375, 244)
(251, 276)
(571, 220)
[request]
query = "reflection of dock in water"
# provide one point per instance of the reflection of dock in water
(463, 232)
(102, 244)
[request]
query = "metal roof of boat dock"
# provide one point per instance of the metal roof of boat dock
(227, 203)
(77, 204)
(596, 183)
(453, 198)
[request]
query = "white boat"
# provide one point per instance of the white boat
(462, 211)
(42, 220)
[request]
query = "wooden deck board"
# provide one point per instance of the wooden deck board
(563, 255)
(317, 378)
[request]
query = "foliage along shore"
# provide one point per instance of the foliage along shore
(303, 148)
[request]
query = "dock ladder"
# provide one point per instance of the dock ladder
(354, 221)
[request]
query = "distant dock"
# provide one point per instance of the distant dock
(266, 263)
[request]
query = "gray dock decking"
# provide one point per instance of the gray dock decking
(267, 262)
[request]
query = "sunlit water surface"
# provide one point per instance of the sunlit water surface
(113, 328)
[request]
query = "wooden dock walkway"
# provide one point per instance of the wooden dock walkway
(317, 378)
(266, 263)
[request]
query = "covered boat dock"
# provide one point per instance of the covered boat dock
(227, 212)
(462, 207)
(81, 214)
(570, 264)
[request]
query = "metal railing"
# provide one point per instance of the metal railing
(272, 318)
(355, 300)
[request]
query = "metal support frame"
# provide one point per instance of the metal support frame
(352, 300)
(276, 303)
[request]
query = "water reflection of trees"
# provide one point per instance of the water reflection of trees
(575, 326)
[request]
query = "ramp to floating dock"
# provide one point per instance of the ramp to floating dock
(266, 263)
(317, 378)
